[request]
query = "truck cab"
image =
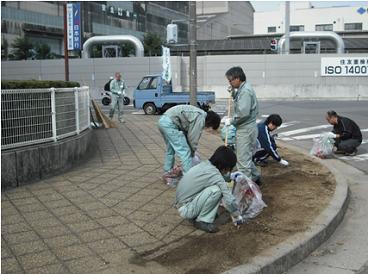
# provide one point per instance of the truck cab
(154, 94)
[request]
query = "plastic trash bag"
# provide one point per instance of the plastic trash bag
(248, 196)
(231, 134)
(322, 146)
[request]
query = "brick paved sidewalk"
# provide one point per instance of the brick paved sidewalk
(97, 216)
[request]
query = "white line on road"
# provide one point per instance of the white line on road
(297, 131)
(364, 130)
(288, 124)
(358, 158)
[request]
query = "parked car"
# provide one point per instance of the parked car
(153, 94)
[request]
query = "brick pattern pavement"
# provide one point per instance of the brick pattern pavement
(95, 217)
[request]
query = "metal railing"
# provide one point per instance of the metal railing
(32, 116)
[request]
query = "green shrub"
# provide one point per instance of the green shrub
(32, 84)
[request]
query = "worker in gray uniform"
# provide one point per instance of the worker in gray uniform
(201, 189)
(244, 119)
(117, 88)
(181, 127)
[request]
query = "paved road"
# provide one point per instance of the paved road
(304, 120)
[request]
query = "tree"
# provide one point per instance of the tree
(42, 51)
(152, 44)
(22, 48)
(127, 49)
(4, 49)
(96, 51)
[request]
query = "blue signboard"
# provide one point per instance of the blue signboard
(74, 29)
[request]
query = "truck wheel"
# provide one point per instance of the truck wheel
(106, 101)
(149, 108)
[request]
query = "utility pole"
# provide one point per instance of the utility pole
(287, 27)
(66, 54)
(193, 52)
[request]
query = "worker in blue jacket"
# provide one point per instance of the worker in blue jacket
(266, 143)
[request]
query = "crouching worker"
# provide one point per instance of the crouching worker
(346, 133)
(266, 143)
(201, 189)
(181, 127)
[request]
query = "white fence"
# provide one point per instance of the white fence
(32, 116)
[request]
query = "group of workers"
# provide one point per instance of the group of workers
(204, 185)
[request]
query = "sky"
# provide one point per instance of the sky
(274, 5)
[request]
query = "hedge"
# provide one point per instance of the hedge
(32, 84)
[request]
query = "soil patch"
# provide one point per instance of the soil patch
(294, 195)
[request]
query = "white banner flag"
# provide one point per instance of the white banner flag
(166, 65)
(69, 20)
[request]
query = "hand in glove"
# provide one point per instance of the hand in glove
(284, 162)
(228, 121)
(331, 135)
(237, 220)
(234, 175)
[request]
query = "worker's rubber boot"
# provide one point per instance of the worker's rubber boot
(207, 227)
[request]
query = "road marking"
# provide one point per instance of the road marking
(364, 130)
(288, 124)
(309, 136)
(364, 141)
(297, 131)
(358, 158)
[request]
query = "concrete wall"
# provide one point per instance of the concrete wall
(273, 76)
(28, 164)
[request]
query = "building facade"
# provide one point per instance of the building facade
(219, 19)
(305, 17)
(43, 21)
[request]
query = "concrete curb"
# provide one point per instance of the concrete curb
(283, 256)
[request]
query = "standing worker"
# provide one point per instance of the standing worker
(117, 88)
(181, 127)
(346, 133)
(244, 119)
(201, 189)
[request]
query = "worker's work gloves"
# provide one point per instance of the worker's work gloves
(121, 93)
(228, 121)
(237, 220)
(331, 135)
(284, 162)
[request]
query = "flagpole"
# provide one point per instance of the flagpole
(66, 53)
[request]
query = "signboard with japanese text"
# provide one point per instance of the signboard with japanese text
(344, 66)
(74, 26)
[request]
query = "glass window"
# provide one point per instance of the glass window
(144, 83)
(353, 26)
(324, 27)
(153, 84)
(297, 28)
(271, 29)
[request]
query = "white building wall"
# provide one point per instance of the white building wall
(309, 17)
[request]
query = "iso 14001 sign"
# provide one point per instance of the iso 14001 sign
(344, 66)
